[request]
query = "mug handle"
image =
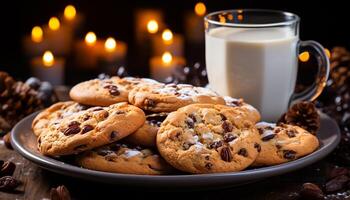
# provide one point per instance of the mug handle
(316, 88)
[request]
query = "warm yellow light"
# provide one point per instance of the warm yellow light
(54, 23)
(90, 38)
(304, 56)
(48, 59)
(222, 19)
(167, 57)
(110, 44)
(240, 17)
(200, 9)
(152, 26)
(70, 12)
(167, 36)
(37, 34)
(328, 53)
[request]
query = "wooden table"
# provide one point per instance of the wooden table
(37, 183)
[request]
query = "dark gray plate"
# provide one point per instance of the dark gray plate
(24, 141)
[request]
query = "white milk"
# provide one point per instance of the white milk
(258, 64)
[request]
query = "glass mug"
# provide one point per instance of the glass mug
(253, 54)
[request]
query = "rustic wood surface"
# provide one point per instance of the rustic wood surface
(36, 184)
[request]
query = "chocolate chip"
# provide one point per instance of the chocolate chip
(112, 89)
(236, 102)
(87, 128)
(243, 152)
(336, 184)
(97, 109)
(278, 146)
(226, 154)
(261, 131)
(208, 165)
(190, 123)
(290, 133)
(150, 103)
(113, 135)
(268, 137)
(257, 146)
(311, 191)
(215, 145)
(207, 157)
(86, 117)
(229, 137)
(72, 129)
(192, 117)
(60, 193)
(104, 152)
(7, 168)
(186, 145)
(8, 183)
(105, 114)
(223, 117)
(119, 112)
(227, 127)
(289, 154)
(277, 130)
(115, 147)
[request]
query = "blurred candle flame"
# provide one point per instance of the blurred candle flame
(328, 53)
(37, 34)
(70, 12)
(152, 26)
(54, 23)
(110, 44)
(90, 38)
(200, 9)
(167, 57)
(167, 36)
(48, 59)
(304, 56)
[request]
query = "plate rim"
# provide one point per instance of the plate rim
(60, 167)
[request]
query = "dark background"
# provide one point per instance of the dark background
(325, 22)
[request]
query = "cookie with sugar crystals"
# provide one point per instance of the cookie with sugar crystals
(54, 114)
(207, 138)
(108, 91)
(122, 158)
(170, 97)
(246, 109)
(283, 143)
(90, 128)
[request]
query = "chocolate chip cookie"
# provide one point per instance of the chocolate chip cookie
(55, 114)
(105, 92)
(245, 109)
(146, 134)
(283, 143)
(90, 128)
(170, 97)
(207, 138)
(122, 158)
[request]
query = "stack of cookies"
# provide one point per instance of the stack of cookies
(140, 126)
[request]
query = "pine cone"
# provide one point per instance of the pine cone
(303, 114)
(6, 83)
(17, 100)
(340, 67)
